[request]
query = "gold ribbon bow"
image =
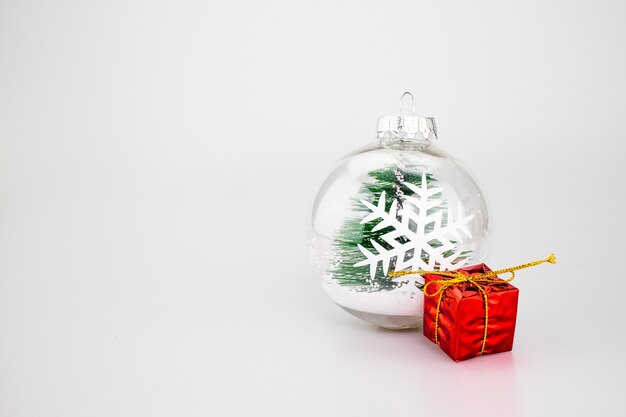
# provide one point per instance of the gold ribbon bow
(476, 280)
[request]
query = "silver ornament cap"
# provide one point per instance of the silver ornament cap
(405, 126)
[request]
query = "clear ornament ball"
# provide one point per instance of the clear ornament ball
(398, 204)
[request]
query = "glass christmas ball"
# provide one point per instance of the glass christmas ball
(398, 204)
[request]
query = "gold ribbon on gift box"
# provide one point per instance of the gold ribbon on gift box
(476, 280)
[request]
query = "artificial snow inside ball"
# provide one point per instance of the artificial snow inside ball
(399, 204)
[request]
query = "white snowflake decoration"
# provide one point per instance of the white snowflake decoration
(411, 223)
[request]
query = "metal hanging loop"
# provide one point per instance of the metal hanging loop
(402, 101)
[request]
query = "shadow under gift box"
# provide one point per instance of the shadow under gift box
(461, 326)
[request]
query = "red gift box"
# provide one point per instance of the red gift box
(469, 317)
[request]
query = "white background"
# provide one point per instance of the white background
(158, 162)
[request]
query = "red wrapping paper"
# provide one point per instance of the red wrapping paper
(462, 316)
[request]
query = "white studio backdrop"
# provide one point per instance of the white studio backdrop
(158, 162)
